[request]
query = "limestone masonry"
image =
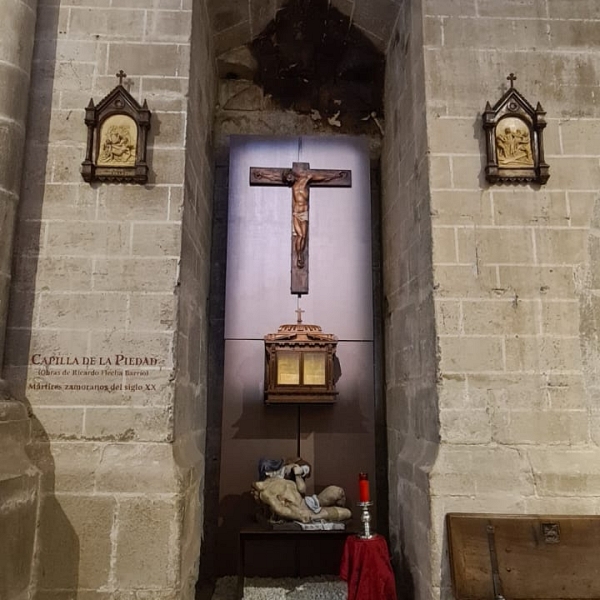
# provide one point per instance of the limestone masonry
(491, 294)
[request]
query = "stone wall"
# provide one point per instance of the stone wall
(19, 495)
(192, 325)
(410, 350)
(490, 310)
(96, 304)
(514, 265)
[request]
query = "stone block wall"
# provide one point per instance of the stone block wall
(514, 265)
(490, 312)
(410, 344)
(96, 307)
(193, 294)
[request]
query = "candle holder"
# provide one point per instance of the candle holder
(365, 517)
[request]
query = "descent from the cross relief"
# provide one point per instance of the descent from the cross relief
(513, 143)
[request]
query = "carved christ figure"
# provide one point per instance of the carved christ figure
(300, 178)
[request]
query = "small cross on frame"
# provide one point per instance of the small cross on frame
(121, 75)
(300, 178)
(512, 78)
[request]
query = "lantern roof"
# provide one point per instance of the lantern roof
(300, 333)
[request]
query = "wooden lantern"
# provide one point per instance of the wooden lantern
(299, 365)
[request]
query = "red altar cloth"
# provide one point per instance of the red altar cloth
(366, 567)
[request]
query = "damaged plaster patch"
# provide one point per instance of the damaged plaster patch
(311, 60)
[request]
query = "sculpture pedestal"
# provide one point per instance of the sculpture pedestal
(254, 532)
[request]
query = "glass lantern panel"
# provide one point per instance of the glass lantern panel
(314, 368)
(288, 368)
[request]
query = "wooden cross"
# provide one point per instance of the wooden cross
(300, 178)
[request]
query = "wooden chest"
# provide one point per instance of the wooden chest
(524, 556)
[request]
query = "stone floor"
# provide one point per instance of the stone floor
(324, 587)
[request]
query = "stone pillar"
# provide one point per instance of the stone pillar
(18, 478)
(17, 30)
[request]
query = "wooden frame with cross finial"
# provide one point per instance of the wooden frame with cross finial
(514, 139)
(117, 138)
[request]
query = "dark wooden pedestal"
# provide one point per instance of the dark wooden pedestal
(254, 532)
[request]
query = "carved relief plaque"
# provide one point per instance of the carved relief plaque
(118, 142)
(117, 136)
(514, 139)
(513, 143)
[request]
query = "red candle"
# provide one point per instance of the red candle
(363, 487)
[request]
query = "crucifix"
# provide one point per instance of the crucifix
(300, 178)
